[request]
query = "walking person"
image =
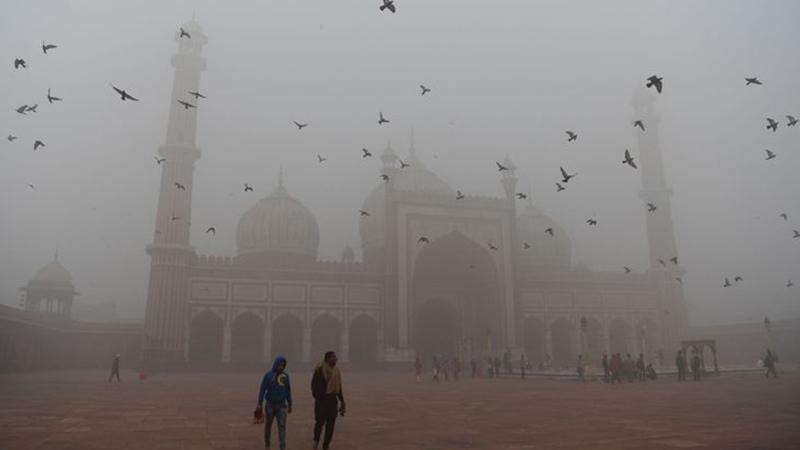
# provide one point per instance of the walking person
(115, 369)
(418, 369)
(522, 364)
(326, 388)
(276, 392)
(769, 363)
(581, 369)
(680, 364)
(696, 366)
(640, 368)
(606, 373)
(473, 365)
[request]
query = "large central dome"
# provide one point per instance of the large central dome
(278, 225)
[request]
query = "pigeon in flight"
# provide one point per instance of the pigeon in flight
(770, 155)
(211, 230)
(403, 165)
(591, 222)
(492, 247)
(772, 124)
(679, 280)
(196, 95)
(381, 119)
(321, 159)
(559, 187)
(174, 218)
(248, 188)
(384, 177)
(655, 81)
(365, 153)
(571, 136)
(22, 109)
(727, 283)
(789, 284)
(184, 34)
(159, 160)
(737, 279)
(521, 196)
(651, 207)
(796, 234)
(32, 108)
(500, 167)
(662, 262)
(566, 176)
(792, 121)
(388, 4)
(424, 89)
(51, 98)
(300, 126)
(11, 138)
(549, 231)
(38, 144)
(19, 62)
(46, 47)
(639, 123)
(674, 260)
(459, 195)
(423, 240)
(31, 186)
(628, 159)
(179, 186)
(363, 213)
(526, 246)
(627, 269)
(186, 105)
(749, 81)
(124, 95)
(785, 216)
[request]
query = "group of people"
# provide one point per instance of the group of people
(616, 369)
(442, 367)
(695, 364)
(274, 402)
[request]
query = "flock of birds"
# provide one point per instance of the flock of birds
(653, 81)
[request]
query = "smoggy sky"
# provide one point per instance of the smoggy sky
(507, 77)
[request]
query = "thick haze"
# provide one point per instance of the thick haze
(508, 77)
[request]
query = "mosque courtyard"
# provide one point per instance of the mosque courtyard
(203, 411)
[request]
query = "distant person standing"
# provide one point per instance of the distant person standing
(680, 364)
(276, 392)
(604, 362)
(769, 363)
(616, 367)
(326, 387)
(115, 369)
(696, 366)
(581, 369)
(473, 365)
(640, 368)
(522, 364)
(436, 368)
(418, 369)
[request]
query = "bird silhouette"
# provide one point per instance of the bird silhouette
(424, 89)
(363, 213)
(196, 95)
(22, 109)
(521, 196)
(651, 207)
(32, 108)
(51, 98)
(559, 187)
(19, 62)
(174, 218)
(365, 153)
(785, 216)
(639, 123)
(792, 121)
(674, 260)
(655, 81)
(32, 186)
(159, 160)
(526, 246)
(38, 144)
(300, 126)
(46, 47)
(403, 165)
(770, 155)
(772, 124)
(749, 81)
(591, 222)
(549, 231)
(679, 280)
(789, 284)
(384, 177)
(566, 176)
(179, 186)
(186, 105)
(459, 195)
(184, 34)
(627, 269)
(628, 159)
(211, 230)
(388, 4)
(571, 136)
(796, 234)
(423, 240)
(727, 283)
(662, 262)
(11, 138)
(500, 167)
(321, 159)
(492, 247)
(123, 95)
(248, 188)
(381, 119)
(737, 279)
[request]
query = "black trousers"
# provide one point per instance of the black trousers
(325, 411)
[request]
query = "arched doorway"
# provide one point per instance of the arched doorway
(618, 337)
(324, 336)
(287, 338)
(456, 306)
(363, 341)
(205, 337)
(533, 336)
(247, 339)
(562, 333)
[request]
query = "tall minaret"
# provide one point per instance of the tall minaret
(170, 253)
(660, 233)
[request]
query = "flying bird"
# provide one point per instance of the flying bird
(639, 123)
(571, 136)
(184, 34)
(22, 109)
(32, 108)
(796, 234)
(159, 160)
(655, 81)
(11, 138)
(628, 159)
(521, 196)
(381, 119)
(772, 124)
(792, 121)
(785, 216)
(423, 240)
(363, 213)
(384, 177)
(31, 186)
(662, 262)
(365, 153)
(124, 95)
(500, 167)
(679, 280)
(403, 165)
(566, 176)
(651, 207)
(559, 187)
(38, 144)
(738, 279)
(770, 155)
(424, 89)
(789, 284)
(196, 95)
(459, 195)
(727, 283)
(186, 105)
(388, 4)
(300, 126)
(749, 81)
(19, 62)
(174, 218)
(321, 159)
(627, 269)
(179, 186)
(591, 222)
(549, 231)
(492, 247)
(674, 260)
(248, 188)
(46, 47)
(51, 98)
(211, 230)
(526, 246)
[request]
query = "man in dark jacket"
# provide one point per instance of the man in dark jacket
(326, 388)
(276, 392)
(115, 369)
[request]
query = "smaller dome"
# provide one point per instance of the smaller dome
(546, 252)
(53, 272)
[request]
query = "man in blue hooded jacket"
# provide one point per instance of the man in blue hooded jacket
(276, 392)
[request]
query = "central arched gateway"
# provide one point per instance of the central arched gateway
(456, 301)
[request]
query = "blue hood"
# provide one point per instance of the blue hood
(275, 387)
